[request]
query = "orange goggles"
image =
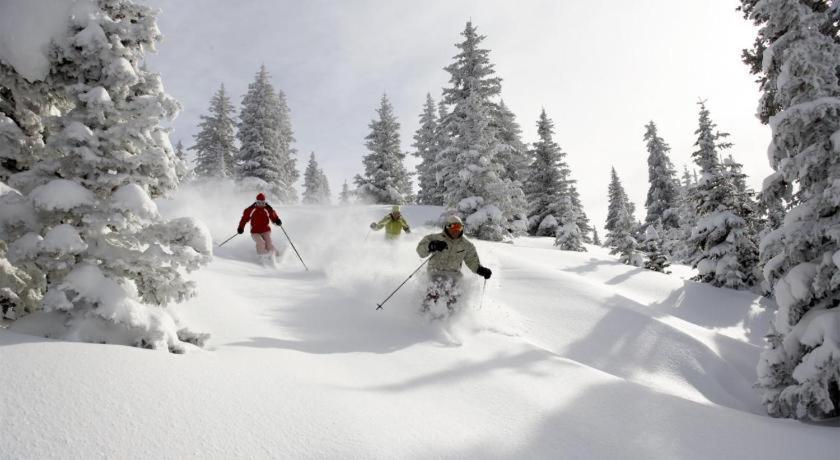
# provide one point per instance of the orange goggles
(456, 227)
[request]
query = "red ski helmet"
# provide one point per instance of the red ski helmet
(261, 196)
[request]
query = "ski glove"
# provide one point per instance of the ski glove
(437, 246)
(278, 222)
(240, 230)
(483, 271)
(408, 230)
(373, 225)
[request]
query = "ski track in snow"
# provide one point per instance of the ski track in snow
(571, 355)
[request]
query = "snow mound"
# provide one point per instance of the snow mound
(26, 246)
(132, 198)
(62, 239)
(145, 326)
(78, 132)
(61, 194)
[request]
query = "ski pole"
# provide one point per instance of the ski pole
(293, 247)
(379, 305)
(367, 235)
(484, 288)
(225, 241)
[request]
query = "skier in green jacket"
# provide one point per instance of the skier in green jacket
(394, 223)
(449, 250)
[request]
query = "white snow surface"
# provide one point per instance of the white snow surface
(570, 355)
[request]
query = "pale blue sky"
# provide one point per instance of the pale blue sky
(602, 70)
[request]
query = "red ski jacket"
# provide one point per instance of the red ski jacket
(260, 217)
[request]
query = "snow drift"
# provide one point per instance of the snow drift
(572, 355)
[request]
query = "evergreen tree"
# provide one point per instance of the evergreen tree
(583, 223)
(568, 236)
(345, 195)
(621, 239)
(548, 184)
(215, 142)
(513, 155)
(265, 136)
(179, 151)
(183, 172)
(744, 195)
(656, 259)
(797, 55)
(663, 193)
(442, 156)
(595, 239)
(617, 198)
(426, 143)
(473, 179)
(316, 190)
(385, 180)
(687, 178)
(676, 239)
(722, 248)
(326, 193)
(105, 255)
(24, 105)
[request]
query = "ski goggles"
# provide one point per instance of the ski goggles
(455, 227)
(260, 202)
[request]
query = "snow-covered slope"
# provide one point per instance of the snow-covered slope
(571, 355)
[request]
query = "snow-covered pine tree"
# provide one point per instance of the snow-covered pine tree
(345, 195)
(179, 151)
(425, 143)
(744, 195)
(473, 179)
(583, 223)
(91, 229)
(24, 108)
(797, 54)
(265, 135)
(513, 154)
(663, 192)
(547, 191)
(385, 179)
(23, 105)
(311, 182)
(617, 198)
(182, 168)
(656, 258)
(288, 169)
(569, 237)
(620, 238)
(676, 239)
(215, 142)
(22, 285)
(687, 178)
(442, 154)
(595, 239)
(316, 190)
(326, 193)
(722, 248)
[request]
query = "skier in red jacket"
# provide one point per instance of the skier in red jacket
(261, 215)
